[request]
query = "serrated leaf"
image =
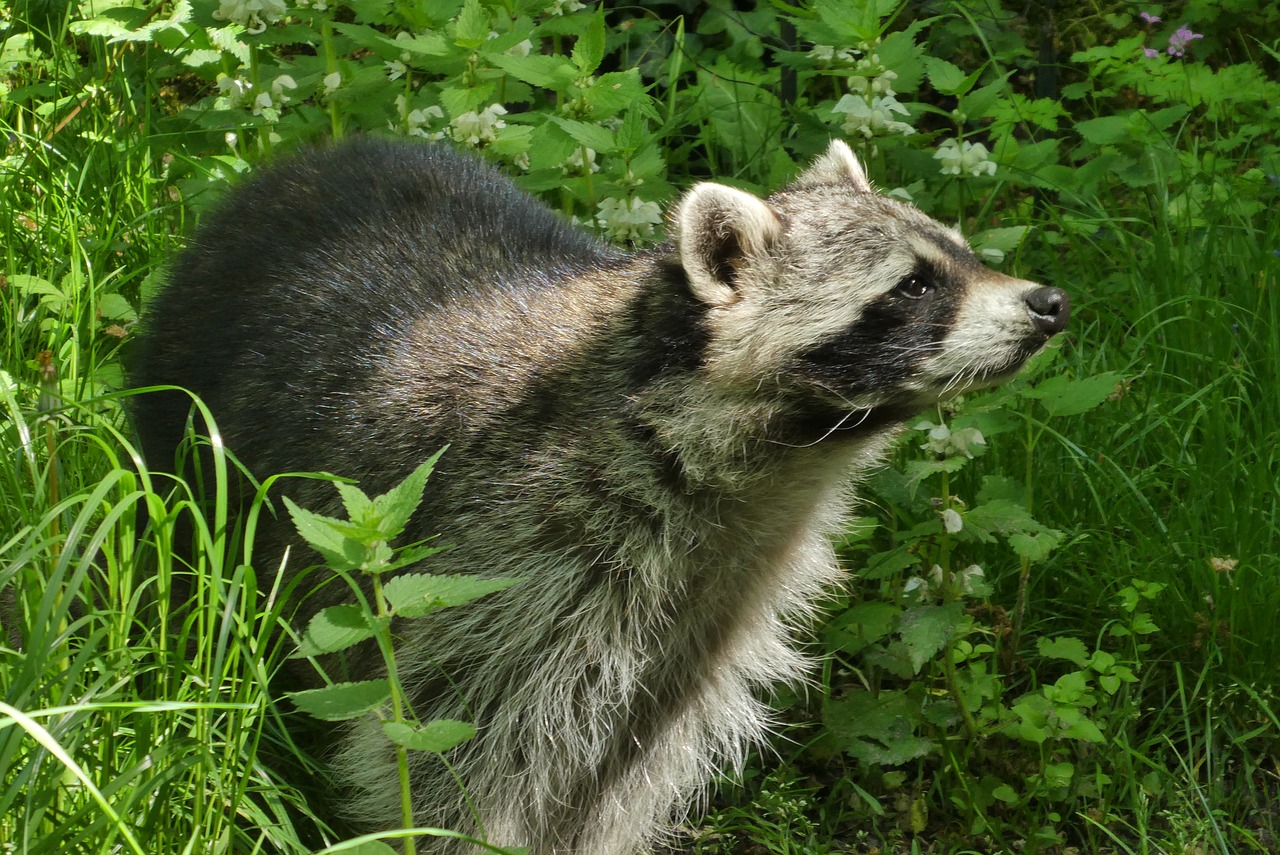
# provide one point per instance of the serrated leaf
(1035, 547)
(588, 49)
(355, 501)
(878, 729)
(394, 507)
(1066, 396)
(1106, 130)
(592, 136)
(1004, 239)
(1071, 649)
(336, 628)
(862, 625)
(545, 72)
(328, 536)
(926, 629)
(948, 78)
(416, 594)
(435, 736)
(472, 29)
(342, 701)
(116, 307)
(634, 131)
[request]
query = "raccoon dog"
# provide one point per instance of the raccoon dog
(659, 444)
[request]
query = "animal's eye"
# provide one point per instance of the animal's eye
(914, 286)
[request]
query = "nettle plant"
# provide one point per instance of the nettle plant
(931, 672)
(359, 550)
(521, 82)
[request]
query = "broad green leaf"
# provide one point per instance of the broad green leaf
(1006, 794)
(1065, 396)
(357, 504)
(545, 72)
(592, 136)
(1071, 649)
(394, 508)
(1105, 130)
(1003, 239)
(330, 537)
(634, 131)
(588, 50)
(926, 629)
(336, 628)
(472, 29)
(948, 78)
(878, 729)
(1035, 547)
(435, 736)
(416, 594)
(862, 625)
(342, 701)
(116, 307)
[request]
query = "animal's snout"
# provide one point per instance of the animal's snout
(1049, 308)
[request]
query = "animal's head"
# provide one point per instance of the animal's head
(854, 299)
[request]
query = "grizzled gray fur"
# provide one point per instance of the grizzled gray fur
(659, 444)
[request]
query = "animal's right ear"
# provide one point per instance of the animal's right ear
(718, 232)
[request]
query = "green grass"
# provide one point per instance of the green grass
(128, 726)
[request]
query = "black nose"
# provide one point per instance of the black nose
(1050, 309)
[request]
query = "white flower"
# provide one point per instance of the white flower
(475, 128)
(874, 117)
(253, 15)
(332, 82)
(418, 120)
(967, 158)
(395, 69)
(573, 164)
(523, 48)
(280, 86)
(563, 7)
(952, 521)
(628, 221)
(232, 92)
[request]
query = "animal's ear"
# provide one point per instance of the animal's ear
(837, 166)
(718, 231)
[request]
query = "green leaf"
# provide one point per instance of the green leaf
(862, 625)
(545, 72)
(926, 629)
(1065, 396)
(1105, 130)
(435, 736)
(1003, 239)
(878, 729)
(328, 536)
(1035, 547)
(588, 49)
(336, 628)
(1071, 649)
(342, 701)
(472, 26)
(358, 505)
(634, 131)
(116, 307)
(416, 594)
(394, 508)
(948, 78)
(592, 136)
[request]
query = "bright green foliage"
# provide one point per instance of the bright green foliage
(1061, 627)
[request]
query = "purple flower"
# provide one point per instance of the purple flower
(1179, 41)
(1149, 18)
(1150, 53)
